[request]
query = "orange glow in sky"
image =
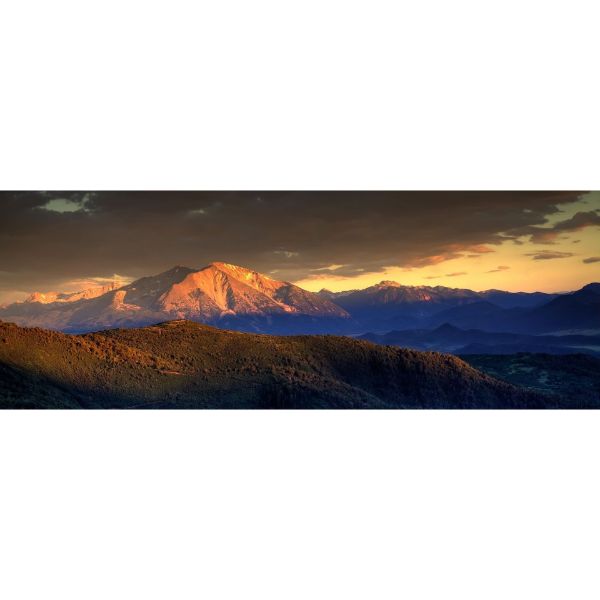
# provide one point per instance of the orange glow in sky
(567, 263)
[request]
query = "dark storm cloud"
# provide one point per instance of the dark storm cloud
(49, 238)
(549, 235)
(548, 255)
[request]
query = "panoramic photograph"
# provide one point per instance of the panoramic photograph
(299, 300)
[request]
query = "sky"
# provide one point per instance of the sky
(517, 241)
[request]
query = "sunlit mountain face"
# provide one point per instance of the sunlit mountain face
(234, 297)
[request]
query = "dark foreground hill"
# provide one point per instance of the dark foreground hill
(180, 364)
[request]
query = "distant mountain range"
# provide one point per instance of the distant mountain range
(448, 338)
(181, 364)
(389, 305)
(53, 297)
(234, 297)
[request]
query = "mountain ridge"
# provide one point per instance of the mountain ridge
(235, 297)
(86, 294)
(219, 293)
(449, 338)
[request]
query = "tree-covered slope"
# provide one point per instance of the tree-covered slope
(180, 364)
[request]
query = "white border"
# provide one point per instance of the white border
(327, 94)
(317, 504)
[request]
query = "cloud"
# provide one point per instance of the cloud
(286, 253)
(66, 205)
(591, 259)
(480, 249)
(549, 235)
(330, 268)
(90, 282)
(499, 269)
(322, 277)
(142, 233)
(548, 255)
(433, 277)
(457, 274)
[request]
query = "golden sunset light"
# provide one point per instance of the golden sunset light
(300, 299)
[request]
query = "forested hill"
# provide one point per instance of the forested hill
(180, 364)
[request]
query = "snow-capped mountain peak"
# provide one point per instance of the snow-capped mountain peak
(214, 294)
(223, 289)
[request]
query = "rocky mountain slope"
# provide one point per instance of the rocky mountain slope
(180, 364)
(387, 297)
(220, 294)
